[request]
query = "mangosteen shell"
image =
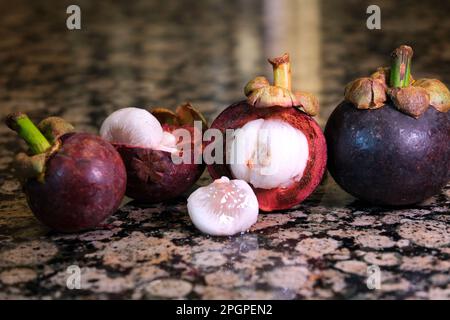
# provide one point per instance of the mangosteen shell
(386, 157)
(152, 175)
(84, 183)
(282, 198)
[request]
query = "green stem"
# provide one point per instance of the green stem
(401, 67)
(26, 129)
(281, 71)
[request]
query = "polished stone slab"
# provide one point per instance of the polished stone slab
(162, 53)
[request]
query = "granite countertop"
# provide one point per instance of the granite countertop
(143, 53)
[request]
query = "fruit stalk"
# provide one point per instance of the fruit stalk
(401, 67)
(26, 129)
(281, 71)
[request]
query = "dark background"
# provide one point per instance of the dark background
(163, 53)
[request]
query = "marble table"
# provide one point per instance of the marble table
(162, 53)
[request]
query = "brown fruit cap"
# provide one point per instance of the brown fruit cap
(411, 97)
(255, 84)
(185, 114)
(413, 101)
(54, 127)
(366, 93)
(308, 102)
(270, 96)
(28, 167)
(438, 92)
(165, 116)
(261, 94)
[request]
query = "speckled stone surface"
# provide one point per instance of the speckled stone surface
(149, 53)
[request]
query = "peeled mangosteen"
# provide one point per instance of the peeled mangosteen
(388, 142)
(276, 146)
(72, 181)
(148, 143)
(224, 208)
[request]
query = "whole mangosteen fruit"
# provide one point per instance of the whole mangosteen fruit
(275, 146)
(72, 181)
(150, 144)
(389, 141)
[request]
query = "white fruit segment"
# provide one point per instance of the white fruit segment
(168, 142)
(268, 153)
(137, 127)
(132, 126)
(224, 207)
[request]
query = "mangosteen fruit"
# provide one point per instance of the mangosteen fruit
(275, 146)
(72, 181)
(224, 208)
(389, 140)
(152, 148)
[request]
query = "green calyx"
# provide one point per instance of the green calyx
(26, 129)
(42, 141)
(401, 67)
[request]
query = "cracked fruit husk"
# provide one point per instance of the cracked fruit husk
(146, 143)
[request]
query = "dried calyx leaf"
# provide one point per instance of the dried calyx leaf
(54, 127)
(366, 93)
(411, 100)
(270, 96)
(261, 94)
(381, 74)
(308, 102)
(40, 149)
(30, 166)
(165, 116)
(185, 114)
(438, 92)
(33, 166)
(255, 84)
(412, 97)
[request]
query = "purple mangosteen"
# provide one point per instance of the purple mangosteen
(389, 141)
(72, 181)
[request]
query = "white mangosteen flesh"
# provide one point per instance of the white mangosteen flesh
(134, 127)
(268, 153)
(168, 143)
(224, 208)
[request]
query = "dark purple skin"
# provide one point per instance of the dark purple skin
(84, 183)
(152, 175)
(386, 157)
